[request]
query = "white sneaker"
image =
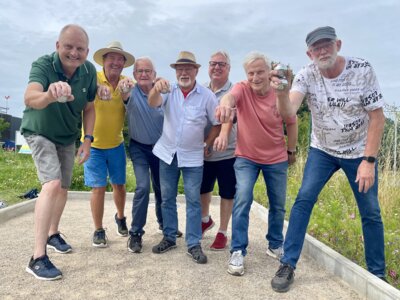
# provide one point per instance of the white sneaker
(235, 266)
(275, 253)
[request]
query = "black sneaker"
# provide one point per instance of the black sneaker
(99, 238)
(197, 254)
(122, 230)
(178, 233)
(135, 244)
(58, 244)
(164, 246)
(43, 269)
(284, 277)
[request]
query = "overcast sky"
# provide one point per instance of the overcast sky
(161, 28)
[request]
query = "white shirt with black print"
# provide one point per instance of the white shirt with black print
(339, 106)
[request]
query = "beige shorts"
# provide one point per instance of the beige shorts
(52, 161)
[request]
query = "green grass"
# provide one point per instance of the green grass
(335, 220)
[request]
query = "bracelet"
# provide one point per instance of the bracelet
(291, 152)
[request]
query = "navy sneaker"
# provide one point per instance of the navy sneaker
(135, 244)
(122, 229)
(58, 244)
(42, 268)
(284, 277)
(99, 238)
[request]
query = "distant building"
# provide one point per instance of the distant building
(15, 124)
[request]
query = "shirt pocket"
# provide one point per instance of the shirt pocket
(194, 115)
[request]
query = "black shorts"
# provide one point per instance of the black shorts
(223, 172)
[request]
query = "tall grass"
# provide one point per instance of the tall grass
(335, 220)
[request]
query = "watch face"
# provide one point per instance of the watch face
(369, 159)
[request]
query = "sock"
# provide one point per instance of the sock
(205, 219)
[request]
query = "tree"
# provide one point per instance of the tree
(3, 125)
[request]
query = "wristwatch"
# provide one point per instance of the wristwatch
(370, 159)
(90, 137)
(291, 152)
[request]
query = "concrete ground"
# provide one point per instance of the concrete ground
(113, 272)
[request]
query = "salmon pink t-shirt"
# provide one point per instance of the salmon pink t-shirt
(260, 136)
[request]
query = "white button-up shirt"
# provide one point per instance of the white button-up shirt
(184, 123)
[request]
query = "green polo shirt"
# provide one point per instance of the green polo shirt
(59, 122)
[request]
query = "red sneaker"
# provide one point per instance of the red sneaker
(220, 242)
(207, 226)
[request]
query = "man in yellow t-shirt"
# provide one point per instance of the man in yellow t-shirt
(107, 153)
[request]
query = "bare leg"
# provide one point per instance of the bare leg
(44, 210)
(225, 213)
(119, 194)
(60, 201)
(97, 206)
(205, 204)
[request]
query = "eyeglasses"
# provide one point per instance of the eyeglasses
(326, 46)
(221, 64)
(186, 69)
(145, 71)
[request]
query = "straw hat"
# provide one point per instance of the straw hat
(185, 58)
(114, 47)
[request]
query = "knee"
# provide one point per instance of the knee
(52, 187)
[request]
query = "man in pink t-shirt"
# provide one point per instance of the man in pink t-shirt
(261, 146)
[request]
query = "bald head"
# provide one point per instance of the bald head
(73, 28)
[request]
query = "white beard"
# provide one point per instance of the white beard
(326, 64)
(185, 83)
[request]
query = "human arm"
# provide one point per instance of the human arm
(161, 86)
(366, 170)
(225, 111)
(214, 131)
(35, 96)
(89, 117)
(221, 142)
(292, 135)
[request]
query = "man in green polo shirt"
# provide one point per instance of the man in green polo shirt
(62, 87)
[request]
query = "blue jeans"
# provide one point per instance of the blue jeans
(146, 166)
(275, 178)
(319, 169)
(169, 178)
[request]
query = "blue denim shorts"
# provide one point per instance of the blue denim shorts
(103, 163)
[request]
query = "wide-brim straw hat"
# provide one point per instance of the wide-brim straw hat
(114, 47)
(185, 58)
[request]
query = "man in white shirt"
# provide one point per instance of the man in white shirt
(346, 107)
(188, 106)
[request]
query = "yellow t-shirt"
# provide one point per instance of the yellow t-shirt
(110, 115)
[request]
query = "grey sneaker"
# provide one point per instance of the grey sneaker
(197, 254)
(99, 238)
(42, 268)
(135, 244)
(163, 246)
(283, 278)
(275, 253)
(235, 266)
(122, 229)
(58, 244)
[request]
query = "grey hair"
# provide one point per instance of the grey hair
(253, 56)
(144, 58)
(224, 54)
